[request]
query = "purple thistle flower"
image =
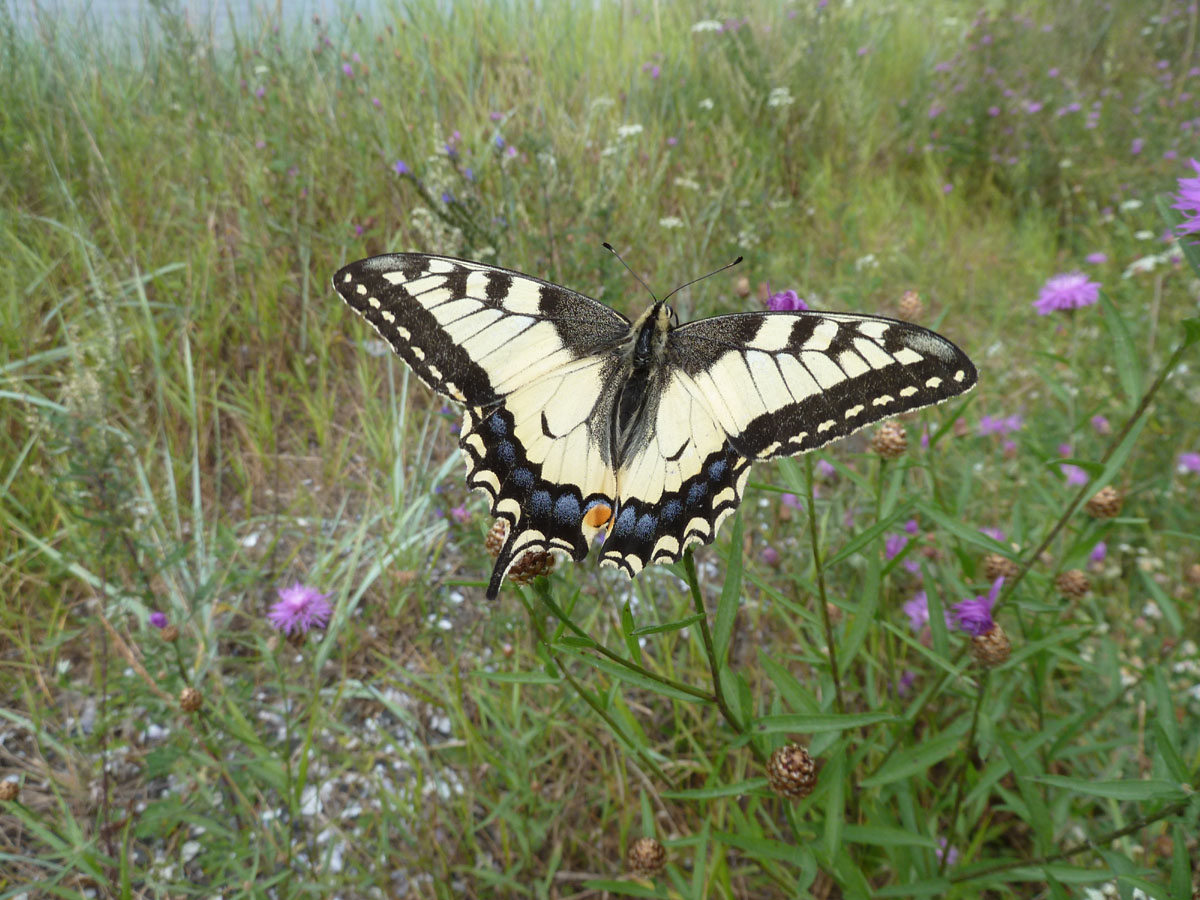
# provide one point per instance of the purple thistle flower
(993, 111)
(672, 141)
(786, 301)
(1136, 146)
(770, 555)
(947, 188)
(893, 545)
(825, 468)
(460, 514)
(905, 685)
(1001, 426)
(1187, 201)
(348, 69)
(1069, 291)
(1096, 259)
(260, 92)
(792, 501)
(974, 615)
(994, 533)
(499, 142)
(158, 619)
(495, 115)
(1189, 462)
(1099, 552)
(951, 854)
(911, 526)
(447, 197)
(1032, 106)
(402, 168)
(376, 102)
(1101, 425)
(299, 608)
(917, 610)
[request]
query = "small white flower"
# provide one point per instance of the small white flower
(1151, 611)
(546, 158)
(602, 103)
(261, 69)
(687, 183)
(1145, 264)
(671, 222)
(628, 131)
(1065, 163)
(866, 262)
(1128, 205)
(1144, 235)
(1194, 692)
(610, 150)
(780, 96)
(706, 103)
(706, 25)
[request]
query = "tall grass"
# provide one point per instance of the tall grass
(191, 420)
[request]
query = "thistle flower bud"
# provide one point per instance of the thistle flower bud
(646, 856)
(992, 648)
(1072, 583)
(190, 699)
(890, 440)
(1106, 503)
(791, 772)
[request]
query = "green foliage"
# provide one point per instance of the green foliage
(191, 420)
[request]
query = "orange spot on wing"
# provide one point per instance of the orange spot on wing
(597, 516)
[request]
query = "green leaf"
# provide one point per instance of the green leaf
(518, 677)
(737, 789)
(1163, 601)
(625, 888)
(667, 626)
(862, 539)
(1181, 869)
(1148, 789)
(930, 887)
(1191, 327)
(793, 692)
(804, 724)
(763, 848)
(731, 593)
(1124, 354)
(618, 671)
(920, 758)
(627, 629)
(881, 836)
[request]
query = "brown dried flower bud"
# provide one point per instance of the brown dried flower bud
(997, 566)
(991, 648)
(9, 790)
(190, 699)
(791, 772)
(1072, 583)
(741, 287)
(910, 306)
(1106, 503)
(646, 856)
(170, 634)
(890, 440)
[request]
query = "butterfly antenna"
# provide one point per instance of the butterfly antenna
(609, 247)
(702, 277)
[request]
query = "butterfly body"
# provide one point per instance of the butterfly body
(579, 423)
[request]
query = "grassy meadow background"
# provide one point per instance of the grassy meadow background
(190, 420)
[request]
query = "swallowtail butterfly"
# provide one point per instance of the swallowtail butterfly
(578, 422)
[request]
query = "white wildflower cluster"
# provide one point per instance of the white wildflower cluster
(1149, 263)
(706, 25)
(671, 222)
(747, 238)
(601, 103)
(688, 183)
(780, 96)
(866, 262)
(1143, 235)
(625, 132)
(707, 103)
(547, 159)
(436, 236)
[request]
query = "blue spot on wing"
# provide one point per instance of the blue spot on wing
(624, 523)
(539, 503)
(645, 527)
(522, 478)
(716, 469)
(506, 452)
(696, 493)
(567, 509)
(499, 426)
(671, 511)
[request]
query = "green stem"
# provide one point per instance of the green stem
(822, 595)
(961, 771)
(714, 666)
(542, 589)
